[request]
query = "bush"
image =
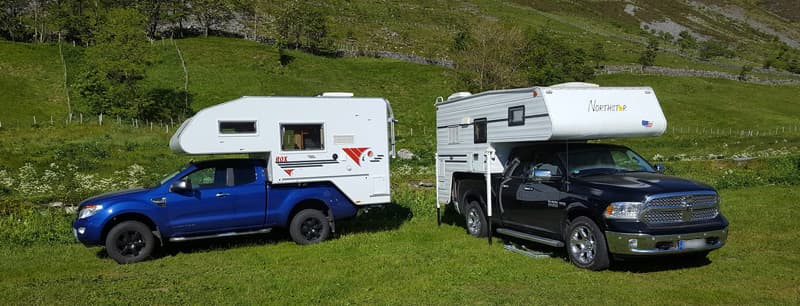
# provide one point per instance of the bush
(27, 225)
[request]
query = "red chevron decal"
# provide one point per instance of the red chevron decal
(355, 154)
(288, 171)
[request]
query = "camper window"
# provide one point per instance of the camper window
(480, 130)
(237, 127)
(516, 115)
(301, 137)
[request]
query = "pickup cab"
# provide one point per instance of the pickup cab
(598, 201)
(216, 198)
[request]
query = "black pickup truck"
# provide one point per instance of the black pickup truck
(599, 201)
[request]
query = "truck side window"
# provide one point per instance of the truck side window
(296, 137)
(538, 161)
(480, 130)
(243, 175)
(213, 177)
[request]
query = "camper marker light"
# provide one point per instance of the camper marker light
(623, 210)
(89, 210)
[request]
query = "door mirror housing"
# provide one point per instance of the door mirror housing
(544, 175)
(660, 168)
(182, 186)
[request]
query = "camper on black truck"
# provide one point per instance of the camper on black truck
(313, 160)
(517, 163)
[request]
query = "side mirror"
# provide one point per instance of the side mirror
(182, 186)
(660, 168)
(544, 175)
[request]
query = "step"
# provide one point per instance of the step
(529, 237)
(228, 234)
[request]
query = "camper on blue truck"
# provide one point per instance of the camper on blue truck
(313, 160)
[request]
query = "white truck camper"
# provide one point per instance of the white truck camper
(517, 162)
(333, 137)
(471, 129)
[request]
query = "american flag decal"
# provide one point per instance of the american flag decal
(647, 124)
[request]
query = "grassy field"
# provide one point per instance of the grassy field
(411, 261)
(397, 255)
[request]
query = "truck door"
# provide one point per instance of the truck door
(532, 199)
(205, 208)
(248, 193)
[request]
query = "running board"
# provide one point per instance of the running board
(529, 237)
(180, 239)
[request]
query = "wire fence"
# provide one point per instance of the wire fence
(168, 126)
(80, 119)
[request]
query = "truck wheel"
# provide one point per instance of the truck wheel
(476, 221)
(309, 226)
(586, 245)
(130, 242)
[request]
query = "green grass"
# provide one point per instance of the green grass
(418, 263)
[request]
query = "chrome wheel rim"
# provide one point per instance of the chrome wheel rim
(582, 245)
(473, 221)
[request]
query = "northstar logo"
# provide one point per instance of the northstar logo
(594, 107)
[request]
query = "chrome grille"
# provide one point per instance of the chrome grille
(675, 208)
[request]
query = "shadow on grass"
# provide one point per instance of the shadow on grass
(376, 219)
(659, 263)
(622, 264)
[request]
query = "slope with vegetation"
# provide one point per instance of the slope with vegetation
(742, 138)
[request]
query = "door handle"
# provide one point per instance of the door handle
(222, 194)
(527, 188)
(505, 186)
(162, 201)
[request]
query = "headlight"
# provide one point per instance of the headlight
(623, 210)
(89, 210)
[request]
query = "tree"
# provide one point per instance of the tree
(598, 54)
(648, 56)
(12, 26)
(550, 61)
(304, 26)
(211, 13)
(686, 41)
(491, 56)
(713, 48)
(116, 63)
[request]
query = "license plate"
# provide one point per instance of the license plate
(691, 244)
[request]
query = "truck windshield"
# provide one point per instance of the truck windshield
(604, 160)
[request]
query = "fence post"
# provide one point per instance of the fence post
(100, 119)
(81, 118)
(34, 120)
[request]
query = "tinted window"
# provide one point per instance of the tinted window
(480, 130)
(302, 137)
(243, 175)
(237, 127)
(208, 178)
(538, 160)
(516, 115)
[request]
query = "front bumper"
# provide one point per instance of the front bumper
(645, 244)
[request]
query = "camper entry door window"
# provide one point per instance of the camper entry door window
(304, 137)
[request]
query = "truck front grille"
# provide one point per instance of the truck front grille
(682, 207)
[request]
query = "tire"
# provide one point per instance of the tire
(309, 226)
(130, 242)
(586, 245)
(475, 220)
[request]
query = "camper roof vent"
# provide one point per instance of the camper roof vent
(458, 95)
(574, 85)
(336, 94)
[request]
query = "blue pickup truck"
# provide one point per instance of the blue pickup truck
(216, 198)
